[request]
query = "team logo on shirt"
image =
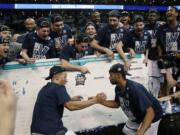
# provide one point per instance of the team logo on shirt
(115, 38)
(140, 46)
(126, 108)
(40, 51)
(171, 41)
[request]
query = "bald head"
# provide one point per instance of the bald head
(30, 24)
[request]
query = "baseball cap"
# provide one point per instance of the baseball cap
(54, 70)
(4, 28)
(118, 68)
(43, 22)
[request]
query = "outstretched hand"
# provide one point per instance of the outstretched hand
(101, 97)
(8, 102)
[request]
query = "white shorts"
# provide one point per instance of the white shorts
(131, 128)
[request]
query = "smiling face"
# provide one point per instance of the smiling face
(4, 48)
(90, 30)
(171, 14)
(57, 26)
(30, 24)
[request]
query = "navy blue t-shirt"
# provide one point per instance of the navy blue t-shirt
(168, 39)
(109, 37)
(49, 108)
(70, 52)
(138, 43)
(39, 48)
(135, 99)
(130, 28)
(153, 50)
(63, 35)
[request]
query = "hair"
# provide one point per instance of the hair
(153, 11)
(56, 18)
(114, 13)
(81, 37)
(89, 24)
(138, 18)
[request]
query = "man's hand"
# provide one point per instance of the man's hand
(145, 60)
(84, 70)
(132, 53)
(127, 65)
(30, 60)
(8, 102)
(7, 98)
(101, 97)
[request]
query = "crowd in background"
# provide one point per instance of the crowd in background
(48, 36)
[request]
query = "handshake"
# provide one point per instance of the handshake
(99, 98)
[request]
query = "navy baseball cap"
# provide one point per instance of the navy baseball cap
(54, 70)
(4, 28)
(118, 68)
(43, 22)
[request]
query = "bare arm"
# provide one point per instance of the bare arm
(147, 121)
(110, 104)
(8, 102)
(78, 105)
(146, 56)
(169, 97)
(121, 53)
(26, 57)
(72, 67)
(94, 44)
